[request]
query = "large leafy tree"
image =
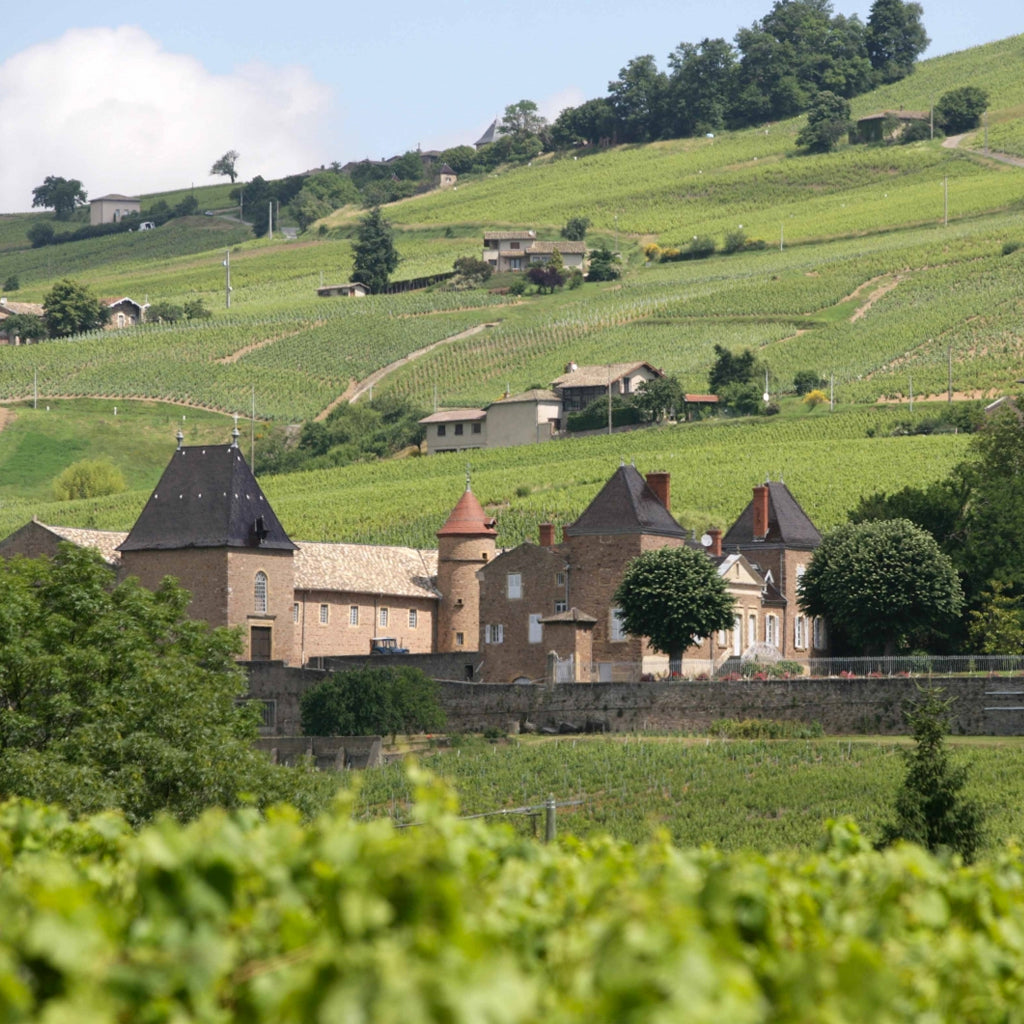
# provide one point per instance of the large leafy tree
(375, 256)
(660, 396)
(637, 98)
(372, 701)
(673, 596)
(828, 121)
(700, 86)
(895, 38)
(71, 308)
(521, 120)
(62, 195)
(931, 809)
(883, 585)
(110, 697)
(960, 110)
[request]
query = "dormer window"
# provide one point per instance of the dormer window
(259, 593)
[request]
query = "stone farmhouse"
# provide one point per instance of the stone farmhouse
(528, 613)
(8, 309)
(512, 251)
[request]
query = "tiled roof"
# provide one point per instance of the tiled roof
(366, 569)
(549, 247)
(695, 399)
(7, 308)
(626, 504)
(594, 376)
(454, 416)
(468, 519)
(207, 497)
(105, 542)
(534, 395)
(509, 236)
(572, 615)
(787, 523)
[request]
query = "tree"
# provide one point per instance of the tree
(603, 265)
(895, 38)
(11, 283)
(930, 807)
(637, 98)
(828, 121)
(521, 120)
(659, 397)
(550, 275)
(805, 380)
(88, 478)
(883, 586)
(960, 110)
(372, 701)
(71, 308)
(225, 166)
(673, 596)
(461, 159)
(591, 123)
(375, 256)
(62, 195)
(111, 697)
(25, 326)
(471, 272)
(732, 368)
(575, 229)
(997, 626)
(700, 86)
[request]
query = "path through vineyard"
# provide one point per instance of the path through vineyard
(357, 389)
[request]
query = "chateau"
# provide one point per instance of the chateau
(537, 611)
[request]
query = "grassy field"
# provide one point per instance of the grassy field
(762, 795)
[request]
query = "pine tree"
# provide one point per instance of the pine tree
(374, 251)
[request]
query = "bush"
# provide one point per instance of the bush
(595, 416)
(735, 241)
(12, 284)
(805, 380)
(89, 478)
(575, 229)
(1008, 248)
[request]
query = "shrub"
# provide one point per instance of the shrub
(12, 284)
(1008, 248)
(735, 241)
(89, 478)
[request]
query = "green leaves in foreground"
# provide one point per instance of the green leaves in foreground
(238, 917)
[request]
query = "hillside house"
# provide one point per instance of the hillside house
(350, 289)
(513, 251)
(455, 430)
(112, 208)
(445, 177)
(8, 309)
(525, 418)
(574, 254)
(886, 124)
(581, 385)
(125, 312)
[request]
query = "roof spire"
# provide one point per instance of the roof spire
(468, 467)
(181, 439)
(235, 433)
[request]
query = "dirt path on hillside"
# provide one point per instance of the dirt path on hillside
(889, 283)
(357, 389)
(235, 356)
(5, 416)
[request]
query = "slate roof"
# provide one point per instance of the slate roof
(488, 136)
(572, 615)
(207, 498)
(626, 505)
(594, 376)
(788, 524)
(366, 569)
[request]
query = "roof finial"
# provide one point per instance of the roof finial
(468, 467)
(235, 433)
(181, 439)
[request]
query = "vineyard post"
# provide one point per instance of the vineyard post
(227, 278)
(549, 819)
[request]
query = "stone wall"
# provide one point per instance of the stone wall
(983, 706)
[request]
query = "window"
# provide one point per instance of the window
(514, 588)
(536, 633)
(413, 617)
(383, 618)
(800, 632)
(458, 429)
(561, 606)
(460, 639)
(259, 593)
(441, 430)
(494, 634)
(615, 631)
(325, 614)
(559, 579)
(771, 630)
(295, 612)
(751, 629)
(476, 428)
(515, 264)
(820, 635)
(737, 635)
(513, 245)
(353, 615)
(722, 638)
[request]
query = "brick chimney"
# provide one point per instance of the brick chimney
(716, 542)
(547, 535)
(760, 512)
(660, 483)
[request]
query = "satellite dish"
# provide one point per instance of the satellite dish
(705, 540)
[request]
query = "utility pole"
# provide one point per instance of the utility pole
(949, 361)
(945, 202)
(227, 278)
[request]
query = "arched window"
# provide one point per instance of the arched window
(259, 593)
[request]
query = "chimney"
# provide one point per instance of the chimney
(716, 542)
(660, 484)
(760, 512)
(547, 535)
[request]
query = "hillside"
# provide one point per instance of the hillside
(889, 270)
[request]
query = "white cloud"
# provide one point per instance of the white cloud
(113, 109)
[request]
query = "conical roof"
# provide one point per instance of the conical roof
(626, 504)
(468, 519)
(788, 523)
(207, 498)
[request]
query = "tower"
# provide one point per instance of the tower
(465, 544)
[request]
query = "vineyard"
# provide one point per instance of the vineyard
(237, 917)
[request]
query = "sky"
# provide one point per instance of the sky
(131, 102)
